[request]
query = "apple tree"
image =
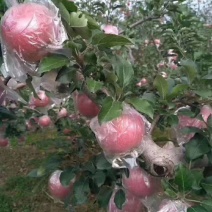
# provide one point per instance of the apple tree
(126, 85)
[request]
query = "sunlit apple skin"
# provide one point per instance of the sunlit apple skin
(42, 101)
(122, 134)
(56, 189)
(44, 121)
(63, 113)
(132, 203)
(206, 111)
(4, 142)
(110, 29)
(86, 106)
(28, 29)
(140, 183)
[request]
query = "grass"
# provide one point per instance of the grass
(19, 193)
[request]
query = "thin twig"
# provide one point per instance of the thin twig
(155, 121)
(140, 22)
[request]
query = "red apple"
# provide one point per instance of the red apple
(56, 189)
(132, 203)
(28, 29)
(186, 121)
(63, 113)
(110, 29)
(206, 111)
(43, 100)
(86, 106)
(44, 121)
(4, 142)
(122, 134)
(66, 131)
(140, 183)
(143, 82)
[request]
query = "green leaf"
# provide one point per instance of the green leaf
(99, 178)
(208, 77)
(207, 204)
(102, 163)
(162, 86)
(183, 179)
(6, 114)
(33, 173)
(81, 190)
(119, 199)
(209, 121)
(78, 19)
(124, 71)
(149, 97)
(189, 68)
(142, 106)
(94, 85)
(40, 172)
(207, 93)
(67, 176)
(110, 110)
(197, 147)
(92, 24)
(70, 6)
(64, 12)
(196, 209)
(207, 185)
(104, 196)
(197, 178)
(89, 166)
(177, 90)
(109, 40)
(52, 62)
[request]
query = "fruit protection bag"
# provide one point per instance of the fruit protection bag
(172, 206)
(140, 183)
(132, 203)
(186, 122)
(29, 32)
(121, 139)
